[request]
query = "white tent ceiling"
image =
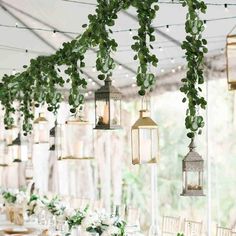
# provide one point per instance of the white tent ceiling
(70, 15)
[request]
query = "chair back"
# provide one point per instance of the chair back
(221, 231)
(192, 228)
(170, 225)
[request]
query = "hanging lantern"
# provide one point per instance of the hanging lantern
(231, 61)
(41, 129)
(192, 166)
(108, 106)
(18, 149)
(145, 140)
(76, 139)
(14, 149)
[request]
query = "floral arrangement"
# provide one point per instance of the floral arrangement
(89, 221)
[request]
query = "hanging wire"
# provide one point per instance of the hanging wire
(160, 2)
(114, 31)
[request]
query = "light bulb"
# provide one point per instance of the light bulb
(167, 28)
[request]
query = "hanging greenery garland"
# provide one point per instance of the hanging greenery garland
(41, 81)
(195, 47)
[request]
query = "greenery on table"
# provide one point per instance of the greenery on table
(41, 81)
(195, 47)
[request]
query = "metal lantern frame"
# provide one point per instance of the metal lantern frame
(41, 120)
(193, 163)
(77, 121)
(144, 123)
(231, 50)
(107, 93)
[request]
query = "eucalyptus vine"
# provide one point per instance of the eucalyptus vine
(41, 81)
(195, 47)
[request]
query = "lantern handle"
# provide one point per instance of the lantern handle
(192, 145)
(145, 103)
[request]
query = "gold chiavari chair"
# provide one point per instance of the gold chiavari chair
(221, 231)
(192, 228)
(170, 225)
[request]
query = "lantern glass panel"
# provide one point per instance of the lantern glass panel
(79, 140)
(102, 112)
(194, 181)
(115, 109)
(14, 152)
(231, 59)
(148, 145)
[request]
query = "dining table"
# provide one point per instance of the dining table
(29, 228)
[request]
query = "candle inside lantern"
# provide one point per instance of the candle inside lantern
(145, 150)
(106, 114)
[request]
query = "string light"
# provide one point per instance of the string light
(117, 31)
(93, 83)
(159, 2)
(130, 31)
(94, 69)
(86, 94)
(120, 67)
(226, 7)
(13, 72)
(127, 75)
(173, 70)
(162, 70)
(167, 28)
(161, 49)
(133, 77)
(172, 60)
(16, 24)
(89, 92)
(134, 85)
(179, 67)
(90, 80)
(205, 23)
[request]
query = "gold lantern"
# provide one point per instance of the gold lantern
(231, 61)
(76, 139)
(192, 167)
(41, 129)
(145, 140)
(108, 106)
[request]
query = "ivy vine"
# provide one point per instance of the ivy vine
(41, 81)
(195, 47)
